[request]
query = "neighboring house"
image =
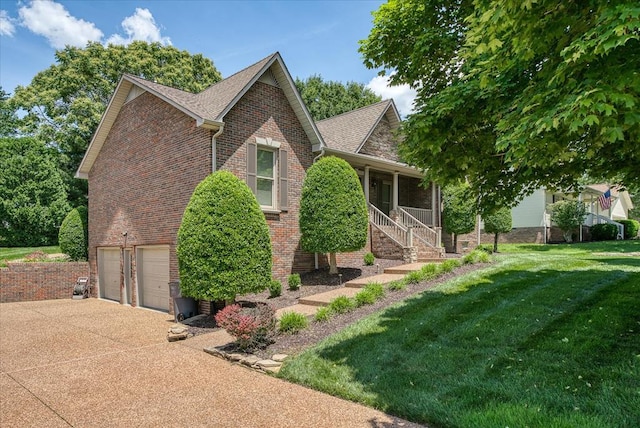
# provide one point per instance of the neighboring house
(154, 144)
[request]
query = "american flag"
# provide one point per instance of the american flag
(605, 200)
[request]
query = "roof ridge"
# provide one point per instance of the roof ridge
(388, 100)
(265, 59)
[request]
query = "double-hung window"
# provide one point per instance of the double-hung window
(267, 173)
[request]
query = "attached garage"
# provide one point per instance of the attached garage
(109, 273)
(153, 277)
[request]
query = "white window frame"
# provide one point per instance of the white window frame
(267, 144)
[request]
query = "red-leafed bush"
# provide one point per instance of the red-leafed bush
(253, 327)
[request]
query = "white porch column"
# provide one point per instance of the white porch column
(433, 204)
(366, 183)
(395, 191)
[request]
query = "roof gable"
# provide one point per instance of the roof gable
(349, 131)
(208, 108)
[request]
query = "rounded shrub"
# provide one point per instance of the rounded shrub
(604, 232)
(224, 247)
(73, 236)
(341, 305)
(322, 314)
(369, 259)
(253, 327)
(333, 210)
(294, 281)
(275, 288)
(631, 228)
(292, 322)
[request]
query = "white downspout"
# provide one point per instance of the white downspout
(214, 158)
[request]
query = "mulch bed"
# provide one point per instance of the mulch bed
(317, 282)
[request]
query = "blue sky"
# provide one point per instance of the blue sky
(314, 37)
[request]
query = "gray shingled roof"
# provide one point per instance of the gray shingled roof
(214, 101)
(348, 131)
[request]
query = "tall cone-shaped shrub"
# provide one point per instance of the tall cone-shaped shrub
(73, 236)
(333, 210)
(224, 247)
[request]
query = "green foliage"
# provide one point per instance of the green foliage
(341, 305)
(513, 96)
(568, 215)
(323, 314)
(479, 255)
(65, 102)
(292, 322)
(73, 236)
(327, 99)
(293, 281)
(449, 265)
(397, 285)
(604, 232)
(429, 271)
(333, 210)
(459, 211)
(224, 247)
(9, 121)
(498, 222)
(369, 259)
(33, 197)
(275, 288)
(631, 228)
(369, 294)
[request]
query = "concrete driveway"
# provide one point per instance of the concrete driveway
(90, 362)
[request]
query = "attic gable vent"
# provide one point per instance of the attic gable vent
(134, 93)
(268, 78)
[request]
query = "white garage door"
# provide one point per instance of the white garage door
(109, 273)
(153, 277)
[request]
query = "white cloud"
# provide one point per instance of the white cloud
(53, 21)
(402, 95)
(6, 25)
(139, 26)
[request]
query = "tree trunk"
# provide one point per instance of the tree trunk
(495, 243)
(333, 265)
(455, 243)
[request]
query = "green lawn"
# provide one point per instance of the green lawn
(548, 336)
(8, 253)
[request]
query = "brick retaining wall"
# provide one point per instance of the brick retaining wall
(21, 282)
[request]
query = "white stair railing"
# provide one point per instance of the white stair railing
(421, 231)
(390, 228)
(592, 219)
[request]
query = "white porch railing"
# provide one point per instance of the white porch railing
(393, 230)
(421, 231)
(592, 219)
(424, 216)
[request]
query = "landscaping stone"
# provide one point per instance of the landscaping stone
(279, 357)
(250, 360)
(178, 332)
(267, 363)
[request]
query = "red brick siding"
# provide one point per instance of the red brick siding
(143, 178)
(21, 282)
(264, 111)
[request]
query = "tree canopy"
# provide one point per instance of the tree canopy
(8, 116)
(333, 210)
(65, 102)
(329, 98)
(498, 222)
(458, 211)
(515, 95)
(33, 197)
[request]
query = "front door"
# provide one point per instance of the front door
(385, 197)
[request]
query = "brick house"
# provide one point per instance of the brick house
(154, 144)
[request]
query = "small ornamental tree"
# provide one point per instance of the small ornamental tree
(458, 212)
(497, 223)
(224, 247)
(73, 234)
(568, 215)
(333, 210)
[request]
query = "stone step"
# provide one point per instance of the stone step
(307, 310)
(404, 269)
(383, 278)
(323, 299)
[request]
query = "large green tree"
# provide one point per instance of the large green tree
(65, 102)
(33, 197)
(8, 116)
(498, 222)
(329, 98)
(513, 95)
(458, 211)
(333, 210)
